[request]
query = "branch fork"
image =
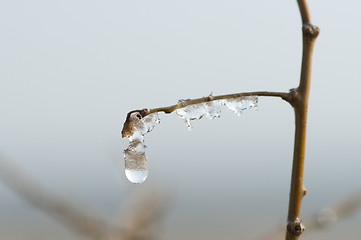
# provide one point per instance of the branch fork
(297, 97)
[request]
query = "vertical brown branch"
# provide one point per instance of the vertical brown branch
(300, 104)
(305, 14)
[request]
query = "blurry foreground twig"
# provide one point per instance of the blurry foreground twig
(78, 219)
(150, 208)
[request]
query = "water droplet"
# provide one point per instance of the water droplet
(136, 162)
(136, 176)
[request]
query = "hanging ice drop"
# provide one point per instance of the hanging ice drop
(136, 176)
(136, 162)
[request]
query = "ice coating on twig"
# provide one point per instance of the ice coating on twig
(238, 105)
(212, 109)
(141, 125)
(136, 162)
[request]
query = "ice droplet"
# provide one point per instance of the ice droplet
(136, 176)
(136, 162)
(213, 108)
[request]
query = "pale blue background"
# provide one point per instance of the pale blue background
(71, 70)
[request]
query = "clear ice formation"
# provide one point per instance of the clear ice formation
(197, 111)
(238, 105)
(212, 109)
(136, 162)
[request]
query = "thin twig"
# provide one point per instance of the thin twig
(90, 225)
(148, 210)
(335, 211)
(137, 225)
(128, 128)
(210, 98)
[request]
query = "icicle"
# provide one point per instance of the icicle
(238, 105)
(136, 162)
(191, 112)
(212, 109)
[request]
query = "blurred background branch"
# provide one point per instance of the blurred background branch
(326, 216)
(138, 219)
(147, 210)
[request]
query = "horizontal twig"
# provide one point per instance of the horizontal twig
(210, 98)
(128, 127)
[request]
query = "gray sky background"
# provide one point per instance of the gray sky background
(71, 70)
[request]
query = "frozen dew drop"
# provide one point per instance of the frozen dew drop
(136, 162)
(136, 176)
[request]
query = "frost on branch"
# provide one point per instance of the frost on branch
(212, 109)
(136, 162)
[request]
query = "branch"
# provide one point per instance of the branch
(210, 98)
(300, 105)
(89, 225)
(297, 97)
(150, 206)
(149, 209)
(128, 127)
(305, 14)
(326, 216)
